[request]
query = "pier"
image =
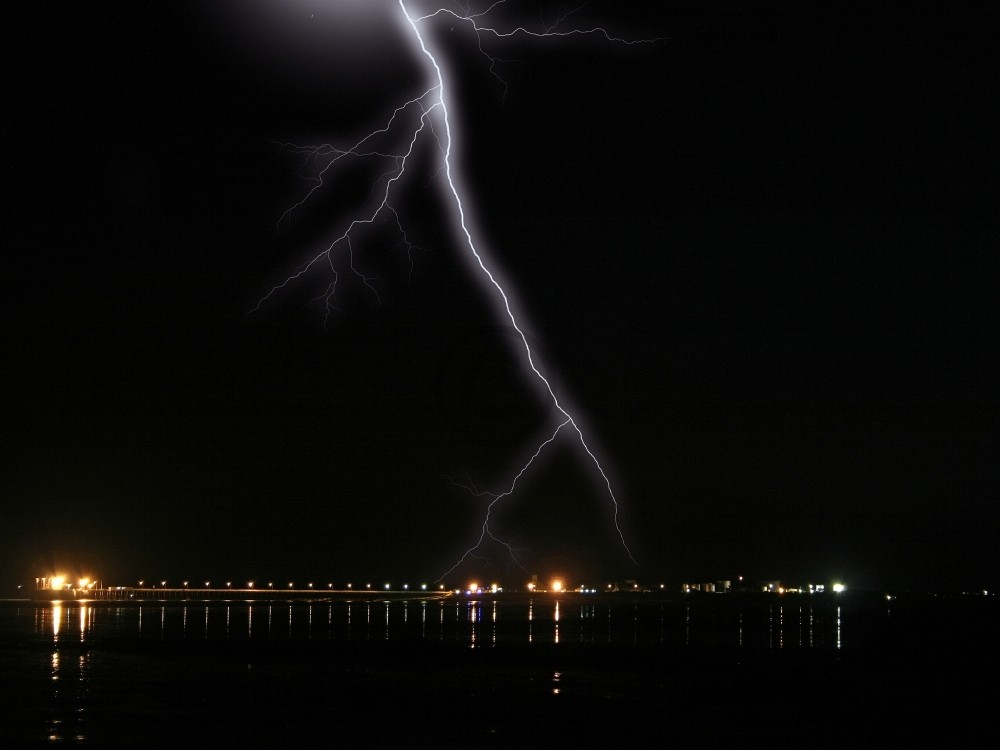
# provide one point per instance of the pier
(96, 593)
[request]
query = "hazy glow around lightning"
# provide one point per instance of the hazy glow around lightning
(426, 118)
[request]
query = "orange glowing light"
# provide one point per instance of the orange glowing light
(557, 585)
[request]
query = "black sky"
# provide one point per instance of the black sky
(759, 256)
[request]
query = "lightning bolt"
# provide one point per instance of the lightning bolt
(428, 116)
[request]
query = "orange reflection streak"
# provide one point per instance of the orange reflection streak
(56, 619)
(84, 610)
(556, 616)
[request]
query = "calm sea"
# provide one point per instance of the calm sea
(503, 671)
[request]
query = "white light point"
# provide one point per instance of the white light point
(426, 115)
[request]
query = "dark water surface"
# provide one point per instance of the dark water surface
(504, 671)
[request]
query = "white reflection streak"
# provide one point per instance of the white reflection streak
(781, 627)
(838, 626)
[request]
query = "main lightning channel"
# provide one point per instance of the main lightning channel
(442, 100)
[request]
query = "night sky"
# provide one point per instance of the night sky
(757, 258)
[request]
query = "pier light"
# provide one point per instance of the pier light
(350, 585)
(291, 585)
(249, 584)
(207, 584)
(406, 586)
(140, 583)
(441, 587)
(368, 585)
(229, 584)
(57, 582)
(557, 585)
(270, 585)
(839, 588)
(310, 584)
(185, 584)
(84, 582)
(531, 587)
(423, 586)
(329, 585)
(387, 587)
(163, 584)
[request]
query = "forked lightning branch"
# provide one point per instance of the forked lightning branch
(392, 151)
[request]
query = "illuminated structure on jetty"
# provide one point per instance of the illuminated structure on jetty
(59, 588)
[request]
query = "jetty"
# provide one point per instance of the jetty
(56, 589)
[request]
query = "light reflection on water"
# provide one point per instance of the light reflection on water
(475, 623)
(74, 631)
(69, 673)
